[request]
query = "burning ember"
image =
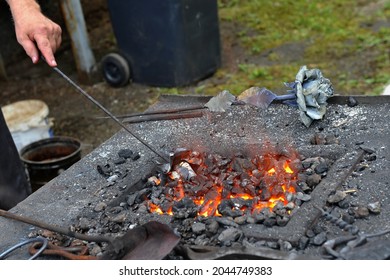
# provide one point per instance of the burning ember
(201, 184)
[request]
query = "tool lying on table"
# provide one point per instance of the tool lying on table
(150, 241)
(105, 110)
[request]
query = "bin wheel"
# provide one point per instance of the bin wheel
(116, 70)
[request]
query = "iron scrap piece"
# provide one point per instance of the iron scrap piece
(79, 252)
(167, 166)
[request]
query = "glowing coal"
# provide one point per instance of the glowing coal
(206, 185)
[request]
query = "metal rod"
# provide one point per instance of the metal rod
(159, 117)
(112, 116)
(158, 112)
(54, 228)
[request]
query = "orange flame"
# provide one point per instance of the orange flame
(287, 168)
(244, 196)
(155, 209)
(272, 171)
(179, 191)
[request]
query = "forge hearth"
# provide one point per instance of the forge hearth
(201, 184)
(227, 204)
(339, 185)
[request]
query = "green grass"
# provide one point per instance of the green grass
(333, 32)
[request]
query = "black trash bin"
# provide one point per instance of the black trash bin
(164, 43)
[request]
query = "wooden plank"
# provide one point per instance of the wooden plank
(75, 24)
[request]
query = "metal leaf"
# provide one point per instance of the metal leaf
(221, 102)
(259, 97)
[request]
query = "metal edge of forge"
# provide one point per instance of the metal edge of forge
(336, 99)
(362, 99)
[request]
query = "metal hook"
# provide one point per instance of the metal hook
(28, 241)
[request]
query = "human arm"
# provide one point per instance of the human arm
(34, 31)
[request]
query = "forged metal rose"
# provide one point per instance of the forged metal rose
(312, 91)
(309, 92)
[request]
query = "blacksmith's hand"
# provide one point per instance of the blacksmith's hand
(34, 31)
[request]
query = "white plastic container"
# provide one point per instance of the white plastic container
(28, 121)
(386, 91)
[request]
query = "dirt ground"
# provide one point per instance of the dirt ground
(75, 116)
